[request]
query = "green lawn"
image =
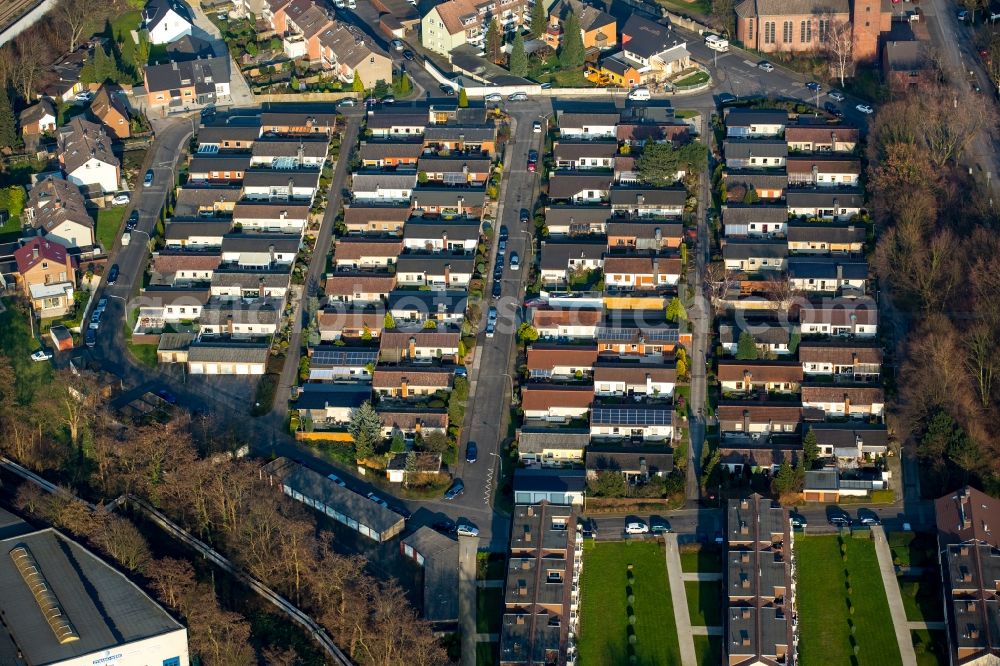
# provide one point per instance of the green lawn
(823, 604)
(605, 628)
(913, 549)
(17, 344)
(694, 79)
(567, 78)
(700, 559)
(703, 602)
(145, 354)
(697, 8)
(921, 598)
(108, 221)
(931, 647)
(708, 650)
(489, 609)
(487, 654)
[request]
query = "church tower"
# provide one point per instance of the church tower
(866, 22)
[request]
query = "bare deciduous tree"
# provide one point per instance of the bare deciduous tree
(719, 280)
(981, 359)
(76, 17)
(838, 42)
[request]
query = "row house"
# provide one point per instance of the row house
(752, 255)
(376, 220)
(645, 422)
(852, 362)
(648, 202)
(804, 137)
(412, 422)
(440, 271)
(755, 153)
(770, 337)
(260, 251)
(851, 441)
(284, 218)
(420, 347)
(826, 238)
(840, 317)
(339, 324)
(579, 187)
(452, 237)
(390, 154)
(383, 186)
(585, 154)
(755, 123)
(466, 138)
(449, 202)
(826, 204)
(575, 220)
(180, 268)
(547, 445)
(268, 185)
(397, 125)
(560, 261)
(756, 420)
(589, 126)
(250, 285)
(174, 304)
(556, 402)
(206, 201)
(748, 377)
(289, 153)
(195, 234)
(767, 185)
(359, 289)
(240, 319)
(566, 323)
(640, 133)
(762, 454)
(643, 234)
(228, 138)
(633, 273)
(638, 464)
(408, 383)
(421, 307)
(827, 172)
(298, 123)
(175, 85)
(561, 362)
(331, 363)
(458, 170)
(218, 169)
(649, 344)
(833, 275)
(365, 253)
(754, 221)
(845, 400)
(632, 379)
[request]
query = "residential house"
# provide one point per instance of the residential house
(351, 54)
(755, 123)
(561, 261)
(37, 119)
(576, 220)
(642, 234)
(259, 251)
(192, 83)
(338, 324)
(299, 24)
(86, 158)
(410, 382)
(858, 401)
(751, 255)
(585, 154)
(755, 153)
(166, 21)
(174, 304)
(289, 153)
(770, 337)
(46, 276)
(240, 319)
(767, 185)
(615, 70)
(758, 420)
(383, 186)
(851, 442)
(330, 363)
(438, 271)
(641, 273)
(412, 422)
(556, 402)
(437, 555)
(639, 421)
(817, 274)
(359, 289)
(206, 202)
(391, 123)
(450, 24)
(355, 252)
(749, 377)
(419, 307)
(237, 138)
(269, 185)
(598, 29)
(563, 486)
(754, 221)
(566, 323)
(969, 556)
(277, 218)
(905, 65)
(56, 210)
(807, 137)
(577, 125)
(298, 123)
(646, 343)
(652, 49)
(195, 234)
(455, 237)
(579, 186)
(462, 137)
(638, 464)
(857, 317)
(771, 27)
(110, 109)
(458, 170)
(544, 564)
(561, 362)
(221, 169)
(648, 202)
(830, 171)
(189, 47)
(179, 269)
(634, 379)
(390, 154)
(449, 202)
(844, 361)
(551, 446)
(827, 203)
(376, 220)
(638, 133)
(250, 285)
(758, 579)
(64, 76)
(826, 238)
(420, 347)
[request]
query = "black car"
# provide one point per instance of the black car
(525, 215)
(813, 86)
(497, 289)
(167, 396)
(532, 155)
(798, 520)
(133, 220)
(471, 452)
(408, 54)
(456, 489)
(90, 337)
(658, 525)
(447, 89)
(831, 108)
(503, 232)
(113, 274)
(445, 526)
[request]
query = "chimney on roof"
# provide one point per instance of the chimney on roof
(461, 200)
(447, 275)
(840, 274)
(649, 384)
(444, 240)
(270, 252)
(640, 199)
(412, 349)
(815, 174)
(173, 65)
(229, 324)
(291, 187)
(746, 421)
(404, 387)
(847, 405)
(658, 235)
(300, 154)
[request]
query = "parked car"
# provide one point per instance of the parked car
(536, 127)
(95, 319)
(85, 96)
(518, 97)
(408, 54)
(456, 489)
(389, 99)
(447, 89)
(515, 261)
(120, 199)
(831, 108)
(836, 95)
(336, 479)
(639, 95)
(347, 101)
(868, 518)
(492, 313)
(546, 86)
(378, 500)
(636, 527)
(497, 290)
(525, 215)
(813, 86)
(444, 526)
(502, 247)
(102, 304)
(962, 16)
(467, 530)
(493, 98)
(167, 396)
(503, 232)
(132, 221)
(491, 327)
(41, 355)
(113, 274)
(865, 109)
(765, 65)
(658, 525)
(397, 45)
(531, 167)
(90, 338)
(798, 520)
(471, 452)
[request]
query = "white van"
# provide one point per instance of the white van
(639, 94)
(716, 43)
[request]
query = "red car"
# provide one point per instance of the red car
(531, 166)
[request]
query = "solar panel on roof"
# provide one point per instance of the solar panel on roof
(651, 334)
(339, 357)
(630, 417)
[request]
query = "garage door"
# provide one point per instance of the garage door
(227, 369)
(211, 368)
(196, 369)
(242, 369)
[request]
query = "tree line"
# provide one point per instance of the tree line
(66, 433)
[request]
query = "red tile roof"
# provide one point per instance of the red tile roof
(47, 251)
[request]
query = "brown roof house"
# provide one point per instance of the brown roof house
(553, 361)
(857, 317)
(853, 362)
(56, 210)
(410, 382)
(352, 252)
(412, 422)
(109, 109)
(570, 323)
(384, 220)
(46, 276)
(634, 379)
(86, 157)
(38, 119)
(905, 66)
(746, 377)
(339, 324)
(845, 400)
(739, 420)
(808, 137)
(554, 402)
(419, 347)
(359, 288)
(634, 273)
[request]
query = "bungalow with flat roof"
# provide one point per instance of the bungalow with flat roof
(773, 337)
(276, 218)
(755, 153)
(250, 285)
(636, 463)
(769, 185)
(296, 122)
(585, 155)
(419, 347)
(556, 402)
(330, 405)
(289, 152)
(826, 203)
(383, 186)
(227, 318)
(281, 185)
(557, 486)
(455, 170)
(755, 123)
(752, 255)
(359, 288)
(551, 446)
(228, 138)
(366, 253)
(643, 235)
(218, 169)
(823, 171)
(206, 202)
(449, 202)
(465, 138)
(757, 420)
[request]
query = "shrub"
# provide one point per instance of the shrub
(631, 600)
(631, 619)
(632, 639)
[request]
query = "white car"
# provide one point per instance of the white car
(836, 95)
(120, 199)
(518, 97)
(336, 479)
(636, 527)
(397, 45)
(347, 101)
(41, 355)
(467, 530)
(494, 98)
(536, 127)
(765, 66)
(85, 96)
(864, 108)
(639, 95)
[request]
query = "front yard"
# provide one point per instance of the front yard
(829, 587)
(704, 602)
(107, 222)
(17, 344)
(606, 635)
(700, 559)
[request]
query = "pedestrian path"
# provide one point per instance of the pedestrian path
(896, 608)
(679, 599)
(698, 630)
(487, 638)
(704, 577)
(489, 583)
(916, 625)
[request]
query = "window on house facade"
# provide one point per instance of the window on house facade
(806, 32)
(824, 28)
(769, 32)
(750, 30)
(786, 32)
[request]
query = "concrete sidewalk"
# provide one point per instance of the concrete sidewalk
(679, 599)
(705, 577)
(896, 608)
(699, 630)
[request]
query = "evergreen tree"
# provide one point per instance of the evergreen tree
(366, 430)
(463, 98)
(572, 53)
(9, 137)
(494, 41)
(675, 310)
(388, 322)
(358, 86)
(404, 85)
(538, 19)
(810, 449)
(518, 58)
(746, 348)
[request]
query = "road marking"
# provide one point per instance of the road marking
(750, 62)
